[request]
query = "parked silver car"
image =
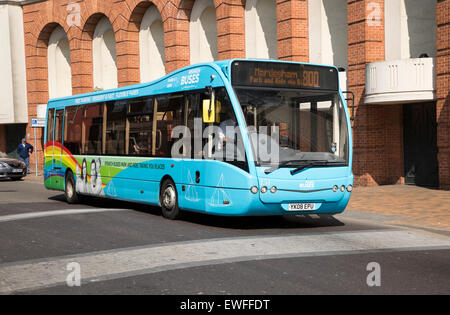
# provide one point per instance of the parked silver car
(12, 168)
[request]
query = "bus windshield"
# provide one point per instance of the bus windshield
(291, 127)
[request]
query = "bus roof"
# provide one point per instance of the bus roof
(159, 86)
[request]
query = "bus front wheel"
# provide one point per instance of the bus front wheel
(169, 200)
(69, 189)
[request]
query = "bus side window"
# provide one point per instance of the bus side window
(59, 119)
(50, 116)
(92, 129)
(72, 129)
(139, 128)
(115, 128)
(169, 115)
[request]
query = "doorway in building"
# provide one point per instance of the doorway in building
(420, 144)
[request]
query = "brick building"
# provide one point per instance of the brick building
(401, 123)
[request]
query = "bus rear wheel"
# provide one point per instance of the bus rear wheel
(168, 198)
(69, 189)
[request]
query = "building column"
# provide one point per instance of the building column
(442, 91)
(230, 29)
(127, 46)
(292, 30)
(176, 35)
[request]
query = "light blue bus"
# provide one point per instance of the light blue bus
(232, 138)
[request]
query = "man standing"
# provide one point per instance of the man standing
(24, 150)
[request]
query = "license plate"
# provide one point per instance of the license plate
(17, 170)
(302, 206)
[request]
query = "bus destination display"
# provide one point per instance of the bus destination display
(283, 75)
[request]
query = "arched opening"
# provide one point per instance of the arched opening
(203, 32)
(151, 46)
(59, 66)
(261, 29)
(104, 55)
(328, 40)
(410, 29)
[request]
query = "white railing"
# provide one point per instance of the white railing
(400, 81)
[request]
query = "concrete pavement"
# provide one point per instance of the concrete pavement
(404, 205)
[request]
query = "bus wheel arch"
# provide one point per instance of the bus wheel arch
(168, 198)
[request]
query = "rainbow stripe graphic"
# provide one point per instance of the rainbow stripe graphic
(55, 151)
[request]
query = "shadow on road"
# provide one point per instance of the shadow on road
(263, 222)
(241, 223)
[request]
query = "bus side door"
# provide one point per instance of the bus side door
(57, 165)
(48, 153)
(193, 165)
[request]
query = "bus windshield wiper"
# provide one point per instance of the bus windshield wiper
(316, 163)
(274, 168)
(300, 163)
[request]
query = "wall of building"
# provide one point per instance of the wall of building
(377, 130)
(443, 90)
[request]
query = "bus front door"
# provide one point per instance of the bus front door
(57, 179)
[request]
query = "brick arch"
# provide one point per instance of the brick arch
(187, 5)
(138, 9)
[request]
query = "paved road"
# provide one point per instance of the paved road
(125, 248)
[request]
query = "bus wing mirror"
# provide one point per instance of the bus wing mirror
(209, 113)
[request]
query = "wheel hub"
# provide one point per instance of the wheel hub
(169, 198)
(69, 189)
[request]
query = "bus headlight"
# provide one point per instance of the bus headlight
(349, 188)
(254, 190)
(342, 188)
(335, 188)
(263, 189)
(273, 189)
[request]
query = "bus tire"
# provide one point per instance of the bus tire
(69, 189)
(168, 198)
